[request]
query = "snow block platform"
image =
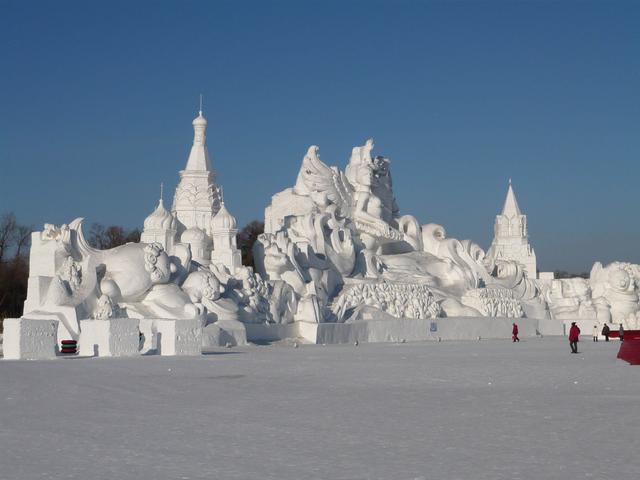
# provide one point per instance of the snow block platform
(179, 337)
(115, 337)
(408, 329)
(30, 339)
(396, 330)
(223, 333)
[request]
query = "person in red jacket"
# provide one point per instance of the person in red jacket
(574, 335)
(514, 333)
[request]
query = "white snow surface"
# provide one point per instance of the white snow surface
(450, 410)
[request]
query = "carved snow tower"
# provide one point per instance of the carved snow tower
(225, 250)
(160, 227)
(196, 199)
(511, 238)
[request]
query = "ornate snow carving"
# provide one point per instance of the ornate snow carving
(196, 195)
(152, 253)
(396, 299)
(107, 308)
(494, 302)
(71, 274)
(511, 238)
(334, 228)
(611, 294)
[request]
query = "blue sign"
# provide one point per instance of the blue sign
(433, 327)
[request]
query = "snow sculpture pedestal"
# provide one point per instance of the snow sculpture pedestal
(30, 339)
(115, 337)
(224, 333)
(395, 330)
(179, 337)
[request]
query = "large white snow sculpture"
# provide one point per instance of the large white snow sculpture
(337, 239)
(611, 294)
(186, 267)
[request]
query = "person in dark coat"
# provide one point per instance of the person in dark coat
(621, 331)
(605, 332)
(574, 336)
(514, 333)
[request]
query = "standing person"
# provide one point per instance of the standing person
(596, 332)
(514, 333)
(605, 332)
(574, 335)
(621, 331)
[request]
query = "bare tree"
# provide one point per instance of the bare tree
(564, 274)
(8, 226)
(133, 236)
(105, 238)
(22, 240)
(246, 238)
(14, 272)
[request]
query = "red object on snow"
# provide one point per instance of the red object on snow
(574, 333)
(630, 347)
(69, 346)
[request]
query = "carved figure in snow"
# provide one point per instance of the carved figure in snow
(620, 290)
(203, 287)
(333, 226)
(132, 269)
(106, 308)
(570, 298)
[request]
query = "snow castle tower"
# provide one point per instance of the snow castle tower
(196, 199)
(511, 239)
(225, 250)
(160, 227)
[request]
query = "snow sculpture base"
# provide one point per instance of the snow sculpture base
(30, 339)
(395, 330)
(115, 337)
(179, 337)
(551, 327)
(223, 333)
(261, 333)
(407, 329)
(60, 314)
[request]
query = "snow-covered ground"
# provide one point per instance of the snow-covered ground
(451, 410)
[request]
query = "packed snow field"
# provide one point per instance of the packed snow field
(451, 410)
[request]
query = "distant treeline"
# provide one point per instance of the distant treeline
(563, 274)
(15, 240)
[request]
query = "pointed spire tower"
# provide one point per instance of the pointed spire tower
(511, 236)
(196, 199)
(510, 207)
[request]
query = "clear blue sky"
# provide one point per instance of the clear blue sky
(97, 98)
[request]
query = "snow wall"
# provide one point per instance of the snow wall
(397, 330)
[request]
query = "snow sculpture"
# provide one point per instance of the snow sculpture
(160, 227)
(570, 298)
(133, 280)
(610, 295)
(225, 250)
(511, 239)
(339, 243)
(197, 197)
(616, 287)
(511, 275)
(187, 266)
